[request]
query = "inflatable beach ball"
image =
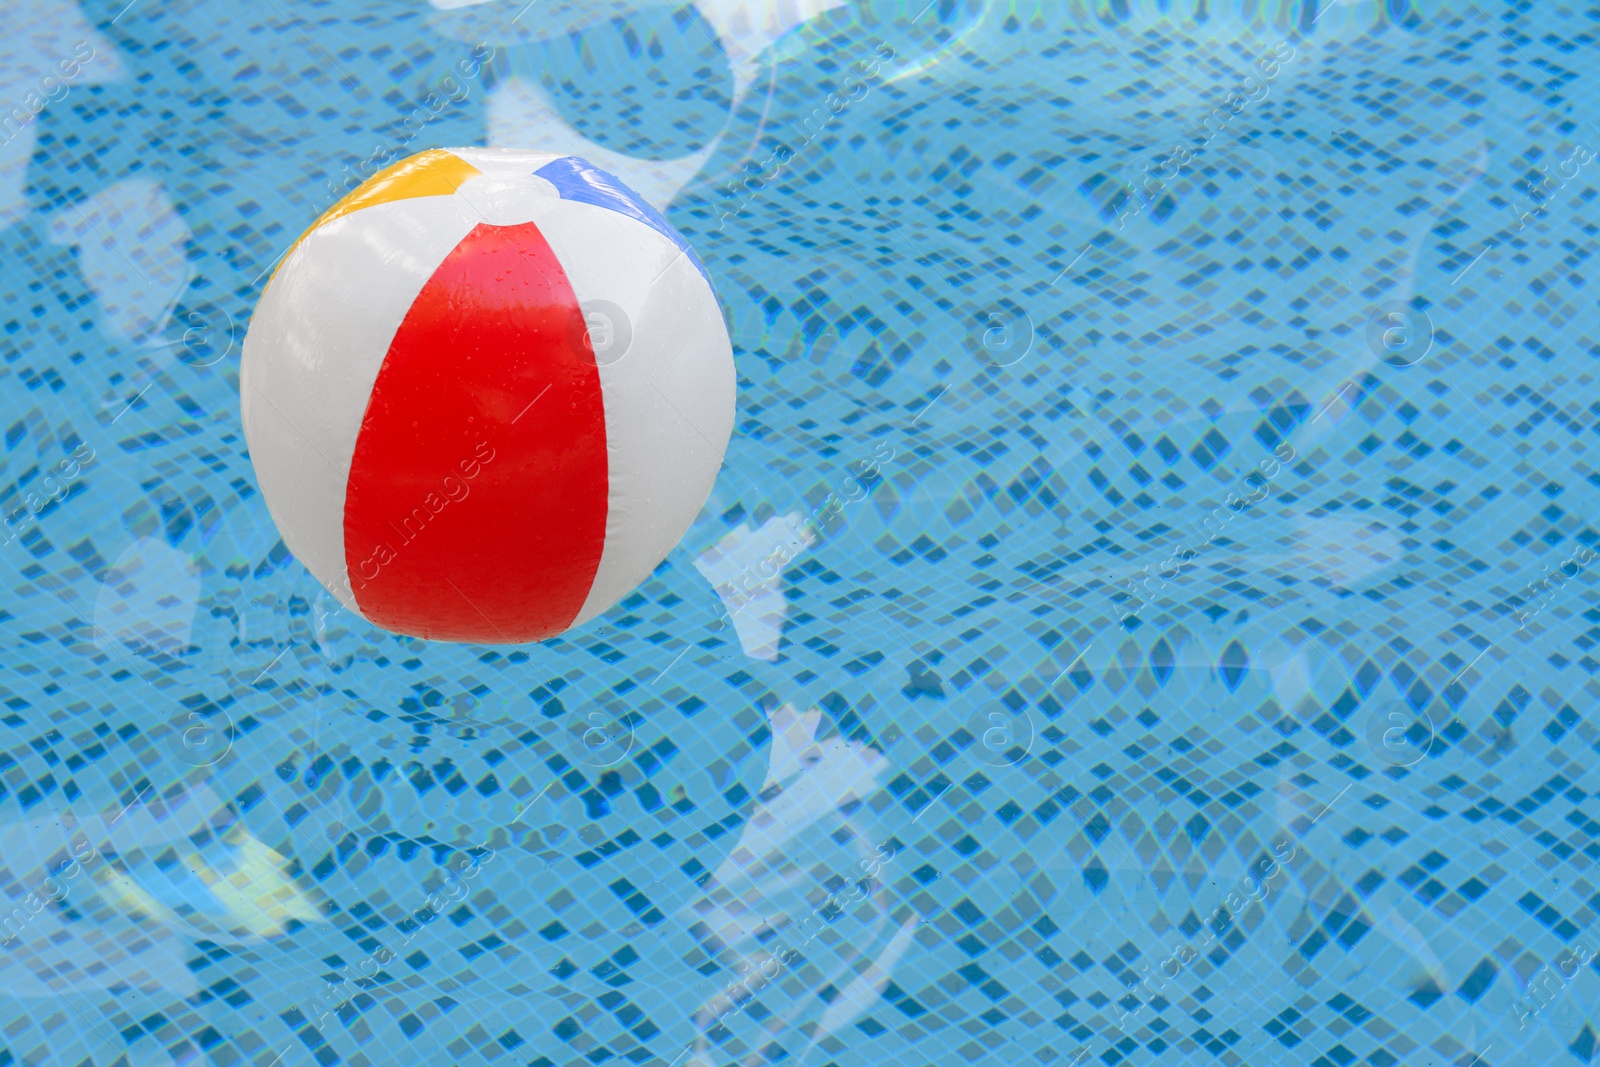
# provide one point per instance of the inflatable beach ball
(486, 393)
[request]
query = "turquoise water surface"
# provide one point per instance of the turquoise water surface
(1146, 612)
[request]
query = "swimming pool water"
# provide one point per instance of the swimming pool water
(1146, 612)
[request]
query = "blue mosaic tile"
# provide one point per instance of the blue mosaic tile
(1145, 614)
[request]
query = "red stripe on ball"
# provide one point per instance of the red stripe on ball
(478, 492)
